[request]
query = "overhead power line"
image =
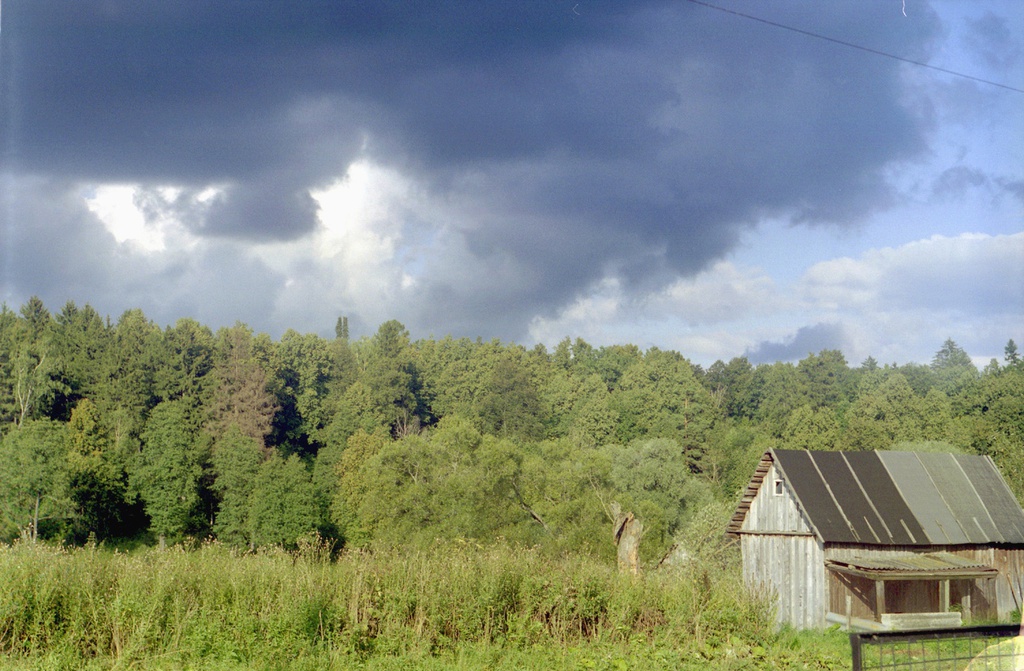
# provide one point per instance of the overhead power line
(852, 45)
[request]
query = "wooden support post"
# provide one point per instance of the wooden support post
(849, 613)
(879, 599)
(965, 608)
(943, 596)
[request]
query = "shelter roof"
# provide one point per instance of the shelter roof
(896, 498)
(913, 566)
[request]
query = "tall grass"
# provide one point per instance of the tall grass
(457, 606)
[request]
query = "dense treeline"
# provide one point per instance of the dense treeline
(123, 430)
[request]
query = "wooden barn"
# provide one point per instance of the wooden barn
(881, 540)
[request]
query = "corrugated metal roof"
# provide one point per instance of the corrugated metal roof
(902, 498)
(913, 565)
(923, 498)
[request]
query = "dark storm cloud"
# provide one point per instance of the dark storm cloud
(807, 340)
(261, 208)
(50, 242)
(600, 138)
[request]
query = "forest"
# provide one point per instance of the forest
(125, 432)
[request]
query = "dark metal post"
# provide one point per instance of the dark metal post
(855, 650)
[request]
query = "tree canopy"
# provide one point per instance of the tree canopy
(124, 429)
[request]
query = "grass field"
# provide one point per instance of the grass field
(458, 606)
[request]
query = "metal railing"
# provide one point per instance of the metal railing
(984, 648)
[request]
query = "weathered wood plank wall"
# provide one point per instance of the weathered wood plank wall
(780, 554)
(793, 568)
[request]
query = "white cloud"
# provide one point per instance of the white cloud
(716, 314)
(386, 248)
(592, 316)
(901, 303)
(964, 275)
(723, 293)
(362, 259)
(114, 205)
(151, 219)
(897, 304)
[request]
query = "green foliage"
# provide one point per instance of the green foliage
(418, 458)
(282, 508)
(733, 454)
(128, 392)
(96, 479)
(33, 478)
(652, 478)
(809, 428)
(510, 405)
(241, 399)
(592, 419)
(953, 368)
(354, 485)
(303, 365)
(168, 470)
(236, 461)
(993, 419)
(403, 442)
(661, 397)
(80, 344)
(415, 486)
(889, 414)
(390, 380)
(1010, 354)
(825, 376)
(29, 375)
(185, 362)
(454, 482)
(731, 384)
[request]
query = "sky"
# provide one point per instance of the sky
(744, 179)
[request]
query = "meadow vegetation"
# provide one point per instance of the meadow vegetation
(456, 606)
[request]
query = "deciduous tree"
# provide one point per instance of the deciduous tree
(33, 477)
(282, 507)
(236, 460)
(97, 480)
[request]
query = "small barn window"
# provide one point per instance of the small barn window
(778, 488)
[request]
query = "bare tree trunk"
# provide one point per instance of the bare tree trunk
(35, 521)
(626, 532)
